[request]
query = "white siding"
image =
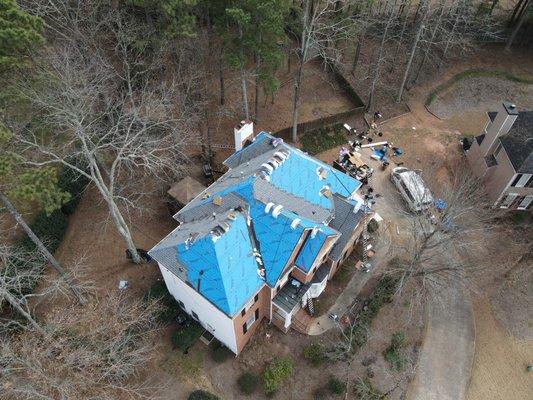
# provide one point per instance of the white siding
(211, 318)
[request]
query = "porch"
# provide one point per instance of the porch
(292, 307)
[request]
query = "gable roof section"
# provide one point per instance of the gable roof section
(518, 143)
(312, 247)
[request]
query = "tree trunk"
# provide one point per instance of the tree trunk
(515, 31)
(221, 78)
(516, 9)
(433, 34)
(494, 4)
(296, 102)
(410, 62)
(42, 248)
(107, 194)
(304, 43)
(404, 25)
(243, 81)
(450, 35)
(370, 104)
(13, 302)
(256, 99)
(357, 54)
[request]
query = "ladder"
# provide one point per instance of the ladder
(310, 306)
(365, 235)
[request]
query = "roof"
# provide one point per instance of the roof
(273, 197)
(348, 214)
(185, 190)
(518, 143)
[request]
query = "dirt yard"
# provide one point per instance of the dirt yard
(480, 93)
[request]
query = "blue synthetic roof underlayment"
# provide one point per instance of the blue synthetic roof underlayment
(298, 175)
(225, 268)
(277, 239)
(310, 250)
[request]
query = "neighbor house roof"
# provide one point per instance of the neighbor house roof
(273, 197)
(518, 143)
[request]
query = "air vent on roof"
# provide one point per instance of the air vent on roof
(205, 196)
(268, 207)
(322, 173)
(276, 142)
(277, 210)
(190, 240)
(232, 216)
(217, 201)
(281, 155)
(314, 232)
(267, 167)
(325, 191)
(295, 222)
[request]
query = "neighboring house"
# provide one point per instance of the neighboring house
(261, 241)
(503, 157)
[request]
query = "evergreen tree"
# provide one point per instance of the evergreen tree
(19, 33)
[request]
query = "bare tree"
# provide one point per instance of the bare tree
(83, 355)
(322, 23)
(448, 245)
(20, 271)
(112, 110)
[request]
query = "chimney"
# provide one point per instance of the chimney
(243, 131)
(504, 120)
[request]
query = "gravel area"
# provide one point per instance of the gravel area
(481, 92)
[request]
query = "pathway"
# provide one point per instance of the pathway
(446, 356)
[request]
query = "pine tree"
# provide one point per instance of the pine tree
(19, 33)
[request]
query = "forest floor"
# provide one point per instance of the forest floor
(425, 140)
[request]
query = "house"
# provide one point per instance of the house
(502, 155)
(262, 241)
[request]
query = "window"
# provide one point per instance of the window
(490, 160)
(498, 149)
(522, 180)
(525, 203)
(250, 321)
(508, 200)
(181, 304)
(256, 298)
(194, 315)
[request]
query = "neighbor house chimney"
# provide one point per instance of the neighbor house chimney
(504, 120)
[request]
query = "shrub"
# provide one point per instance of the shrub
(383, 293)
(169, 306)
(393, 353)
(219, 352)
(184, 338)
(202, 395)
(373, 226)
(314, 353)
(74, 184)
(277, 372)
(323, 139)
(336, 386)
(248, 382)
(364, 390)
(50, 229)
